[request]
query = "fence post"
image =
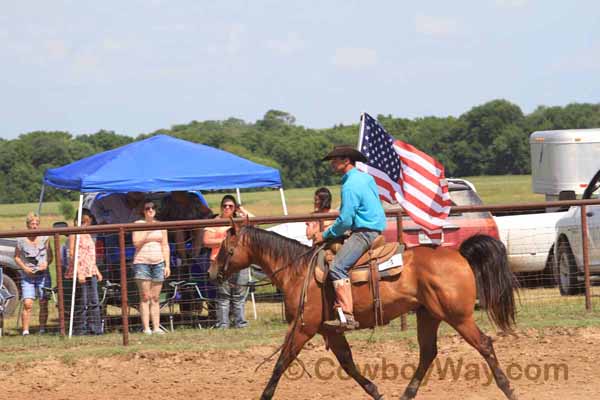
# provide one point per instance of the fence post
(124, 302)
(59, 284)
(586, 258)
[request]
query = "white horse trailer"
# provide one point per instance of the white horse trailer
(564, 161)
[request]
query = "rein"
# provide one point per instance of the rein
(230, 253)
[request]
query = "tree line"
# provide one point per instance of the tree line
(489, 139)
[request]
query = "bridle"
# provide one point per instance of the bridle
(230, 250)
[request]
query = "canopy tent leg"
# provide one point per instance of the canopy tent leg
(39, 210)
(75, 259)
(285, 212)
(239, 196)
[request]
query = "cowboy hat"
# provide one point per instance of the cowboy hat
(345, 151)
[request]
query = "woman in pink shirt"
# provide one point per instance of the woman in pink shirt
(87, 313)
(151, 267)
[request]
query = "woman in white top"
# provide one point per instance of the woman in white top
(151, 267)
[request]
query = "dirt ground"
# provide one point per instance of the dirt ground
(562, 363)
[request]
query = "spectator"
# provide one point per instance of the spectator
(115, 208)
(322, 204)
(118, 208)
(151, 267)
(33, 254)
(183, 206)
(87, 313)
(231, 295)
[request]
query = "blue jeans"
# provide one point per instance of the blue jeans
(87, 315)
(352, 249)
(149, 272)
(232, 299)
(32, 287)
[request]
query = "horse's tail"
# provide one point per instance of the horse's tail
(488, 259)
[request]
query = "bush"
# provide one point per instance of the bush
(67, 209)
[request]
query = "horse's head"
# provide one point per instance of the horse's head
(233, 256)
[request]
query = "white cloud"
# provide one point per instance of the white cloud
(288, 46)
(56, 49)
(580, 60)
(235, 33)
(354, 58)
(110, 44)
(511, 3)
(435, 26)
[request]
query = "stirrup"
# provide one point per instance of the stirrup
(346, 322)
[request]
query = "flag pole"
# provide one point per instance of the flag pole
(362, 130)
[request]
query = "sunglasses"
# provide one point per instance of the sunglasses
(227, 206)
(148, 208)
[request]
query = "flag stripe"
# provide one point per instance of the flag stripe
(426, 186)
(412, 153)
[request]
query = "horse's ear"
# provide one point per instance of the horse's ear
(235, 226)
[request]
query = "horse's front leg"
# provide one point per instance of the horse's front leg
(340, 347)
(294, 341)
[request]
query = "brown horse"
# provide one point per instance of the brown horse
(438, 284)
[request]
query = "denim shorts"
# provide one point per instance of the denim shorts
(32, 287)
(149, 272)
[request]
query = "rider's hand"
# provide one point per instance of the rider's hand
(43, 266)
(317, 238)
(167, 272)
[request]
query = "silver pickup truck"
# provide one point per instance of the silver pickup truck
(10, 271)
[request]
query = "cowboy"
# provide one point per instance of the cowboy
(361, 213)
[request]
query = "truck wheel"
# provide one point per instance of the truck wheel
(547, 278)
(11, 286)
(566, 272)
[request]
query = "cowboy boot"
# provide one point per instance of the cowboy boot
(343, 307)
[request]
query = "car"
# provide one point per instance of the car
(529, 241)
(568, 263)
(458, 227)
(11, 272)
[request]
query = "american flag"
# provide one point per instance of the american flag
(407, 176)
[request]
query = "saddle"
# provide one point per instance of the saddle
(382, 260)
(386, 256)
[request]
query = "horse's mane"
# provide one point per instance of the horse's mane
(287, 252)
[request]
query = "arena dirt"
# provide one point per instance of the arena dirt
(559, 364)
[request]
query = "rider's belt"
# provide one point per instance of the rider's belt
(365, 230)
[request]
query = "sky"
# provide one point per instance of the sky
(134, 66)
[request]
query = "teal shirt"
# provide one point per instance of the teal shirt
(360, 208)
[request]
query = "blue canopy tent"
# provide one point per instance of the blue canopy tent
(161, 163)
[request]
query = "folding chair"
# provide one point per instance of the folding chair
(109, 290)
(170, 302)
